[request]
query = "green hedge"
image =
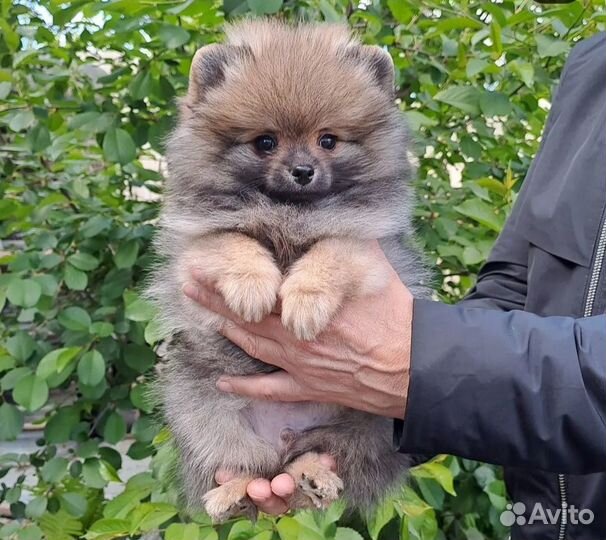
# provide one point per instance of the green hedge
(87, 93)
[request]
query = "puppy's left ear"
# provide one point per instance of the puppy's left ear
(379, 63)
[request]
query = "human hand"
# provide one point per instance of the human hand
(361, 361)
(272, 496)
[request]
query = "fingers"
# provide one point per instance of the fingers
(278, 386)
(211, 300)
(222, 476)
(328, 461)
(261, 493)
(270, 327)
(256, 346)
(283, 486)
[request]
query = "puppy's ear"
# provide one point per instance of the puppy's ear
(378, 61)
(208, 67)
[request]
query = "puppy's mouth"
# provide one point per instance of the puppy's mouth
(299, 197)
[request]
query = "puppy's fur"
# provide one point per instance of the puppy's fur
(237, 212)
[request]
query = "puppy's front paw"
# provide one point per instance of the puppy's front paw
(228, 501)
(306, 308)
(251, 292)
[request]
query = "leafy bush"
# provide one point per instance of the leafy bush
(88, 94)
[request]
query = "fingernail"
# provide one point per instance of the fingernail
(224, 385)
(189, 289)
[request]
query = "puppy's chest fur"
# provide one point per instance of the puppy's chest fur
(285, 248)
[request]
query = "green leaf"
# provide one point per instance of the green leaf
(495, 104)
(288, 528)
(48, 283)
(139, 357)
(114, 429)
(56, 361)
(21, 346)
(31, 392)
(344, 533)
(60, 426)
(380, 517)
(548, 46)
(400, 10)
(22, 120)
(38, 138)
(102, 329)
(83, 261)
(126, 254)
(36, 507)
(475, 66)
(118, 146)
(75, 318)
(91, 368)
(91, 474)
(94, 226)
(524, 70)
(74, 503)
(412, 505)
(60, 526)
(481, 212)
(54, 470)
(24, 292)
(141, 85)
(173, 36)
(138, 309)
(466, 98)
(263, 7)
(148, 516)
(416, 120)
(11, 422)
(107, 528)
(437, 472)
(182, 531)
(75, 279)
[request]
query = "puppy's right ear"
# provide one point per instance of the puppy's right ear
(207, 69)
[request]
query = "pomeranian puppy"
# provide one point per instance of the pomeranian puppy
(289, 155)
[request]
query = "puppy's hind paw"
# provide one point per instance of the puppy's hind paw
(316, 486)
(321, 489)
(229, 501)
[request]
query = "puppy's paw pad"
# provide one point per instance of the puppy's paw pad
(223, 503)
(251, 294)
(322, 487)
(307, 313)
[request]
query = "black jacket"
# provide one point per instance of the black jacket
(516, 374)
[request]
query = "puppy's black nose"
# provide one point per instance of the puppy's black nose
(303, 174)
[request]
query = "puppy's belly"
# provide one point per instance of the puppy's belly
(277, 422)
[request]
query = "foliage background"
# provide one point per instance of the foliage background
(87, 93)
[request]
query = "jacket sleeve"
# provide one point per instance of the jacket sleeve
(507, 388)
(496, 384)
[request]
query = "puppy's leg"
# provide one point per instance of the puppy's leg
(242, 270)
(316, 286)
(230, 500)
(316, 486)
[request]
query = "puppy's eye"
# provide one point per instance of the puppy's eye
(327, 141)
(265, 143)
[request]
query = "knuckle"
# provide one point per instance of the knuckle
(267, 392)
(250, 345)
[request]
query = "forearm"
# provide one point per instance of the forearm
(508, 388)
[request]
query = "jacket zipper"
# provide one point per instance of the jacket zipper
(592, 290)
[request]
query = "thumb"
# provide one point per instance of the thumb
(278, 386)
